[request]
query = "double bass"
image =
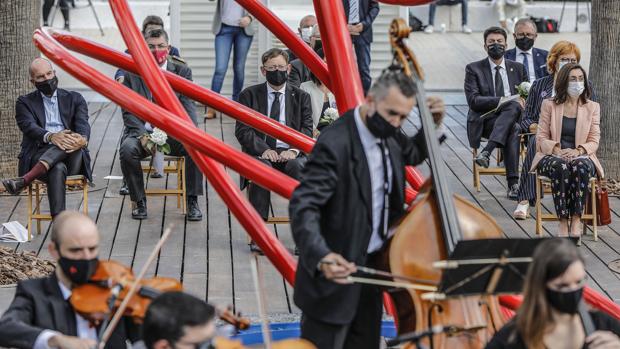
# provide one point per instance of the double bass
(429, 232)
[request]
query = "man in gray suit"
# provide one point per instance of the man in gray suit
(133, 144)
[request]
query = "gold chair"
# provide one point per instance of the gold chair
(175, 164)
(492, 171)
(544, 183)
(37, 186)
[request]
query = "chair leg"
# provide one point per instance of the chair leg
(85, 195)
(594, 213)
(30, 212)
(538, 209)
(37, 205)
(183, 186)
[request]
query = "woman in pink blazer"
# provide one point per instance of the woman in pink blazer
(566, 143)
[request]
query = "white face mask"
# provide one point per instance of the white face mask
(306, 33)
(575, 88)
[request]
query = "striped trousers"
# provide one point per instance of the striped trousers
(527, 180)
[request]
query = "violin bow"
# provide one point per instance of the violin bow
(258, 286)
(133, 289)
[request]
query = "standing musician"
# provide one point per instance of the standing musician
(550, 317)
(40, 315)
(339, 215)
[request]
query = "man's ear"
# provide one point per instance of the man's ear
(162, 344)
(51, 248)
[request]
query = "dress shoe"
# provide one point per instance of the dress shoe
(193, 209)
(210, 114)
(124, 189)
(483, 159)
(139, 212)
(156, 175)
(255, 249)
(14, 185)
(513, 192)
(522, 211)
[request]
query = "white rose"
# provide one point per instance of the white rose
(158, 136)
(526, 86)
(331, 113)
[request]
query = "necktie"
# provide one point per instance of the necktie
(499, 83)
(383, 223)
(354, 11)
(274, 113)
(526, 64)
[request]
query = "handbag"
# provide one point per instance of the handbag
(603, 214)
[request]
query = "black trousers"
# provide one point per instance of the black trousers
(260, 197)
(132, 152)
(64, 9)
(502, 128)
(364, 332)
(61, 165)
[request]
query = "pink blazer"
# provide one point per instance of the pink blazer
(587, 130)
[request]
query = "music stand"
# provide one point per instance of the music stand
(486, 266)
(90, 4)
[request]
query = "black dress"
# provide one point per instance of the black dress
(509, 338)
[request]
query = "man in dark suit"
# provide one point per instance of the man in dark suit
(352, 190)
(533, 59)
(55, 128)
(489, 84)
(280, 101)
(306, 24)
(360, 16)
(133, 144)
(299, 71)
(40, 315)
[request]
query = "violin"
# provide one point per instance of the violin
(429, 232)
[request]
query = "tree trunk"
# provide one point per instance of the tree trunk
(18, 20)
(605, 76)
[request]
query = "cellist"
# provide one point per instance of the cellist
(351, 192)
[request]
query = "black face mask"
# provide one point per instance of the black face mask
(78, 271)
(565, 302)
(496, 51)
(277, 77)
(524, 43)
(379, 127)
(47, 87)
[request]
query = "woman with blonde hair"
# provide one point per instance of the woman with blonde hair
(548, 317)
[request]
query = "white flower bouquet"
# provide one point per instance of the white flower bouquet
(330, 115)
(156, 141)
(523, 89)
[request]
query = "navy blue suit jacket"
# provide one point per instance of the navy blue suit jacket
(540, 60)
(30, 117)
(369, 9)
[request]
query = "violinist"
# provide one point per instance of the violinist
(340, 216)
(40, 315)
(177, 320)
(549, 316)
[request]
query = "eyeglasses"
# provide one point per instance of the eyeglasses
(523, 35)
(276, 67)
(159, 47)
(568, 60)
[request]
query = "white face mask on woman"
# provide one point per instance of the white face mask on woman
(575, 88)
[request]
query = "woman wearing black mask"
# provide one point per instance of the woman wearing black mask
(548, 317)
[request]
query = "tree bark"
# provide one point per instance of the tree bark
(18, 20)
(605, 76)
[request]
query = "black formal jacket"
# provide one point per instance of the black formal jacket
(540, 60)
(30, 117)
(508, 337)
(298, 116)
(299, 73)
(134, 126)
(369, 9)
(480, 93)
(331, 211)
(39, 305)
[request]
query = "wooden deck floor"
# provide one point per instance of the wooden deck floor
(211, 257)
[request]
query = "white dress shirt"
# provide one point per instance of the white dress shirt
(530, 61)
(375, 166)
(53, 121)
(84, 330)
(503, 74)
(270, 100)
(354, 11)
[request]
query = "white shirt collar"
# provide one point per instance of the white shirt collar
(66, 292)
(503, 64)
(270, 89)
(54, 96)
(368, 139)
(529, 52)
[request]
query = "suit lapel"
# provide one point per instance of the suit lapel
(513, 78)
(263, 101)
(558, 115)
(582, 125)
(39, 109)
(64, 107)
(360, 164)
(63, 316)
(398, 182)
(486, 71)
(289, 99)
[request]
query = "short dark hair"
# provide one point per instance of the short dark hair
(169, 313)
(273, 53)
(152, 20)
(495, 30)
(392, 78)
(562, 80)
(156, 33)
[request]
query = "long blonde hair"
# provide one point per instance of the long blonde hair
(534, 317)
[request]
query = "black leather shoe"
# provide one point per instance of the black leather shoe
(193, 210)
(513, 192)
(139, 212)
(14, 185)
(124, 189)
(483, 159)
(255, 249)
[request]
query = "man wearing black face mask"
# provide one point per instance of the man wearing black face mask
(55, 128)
(287, 105)
(494, 105)
(533, 59)
(352, 191)
(40, 315)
